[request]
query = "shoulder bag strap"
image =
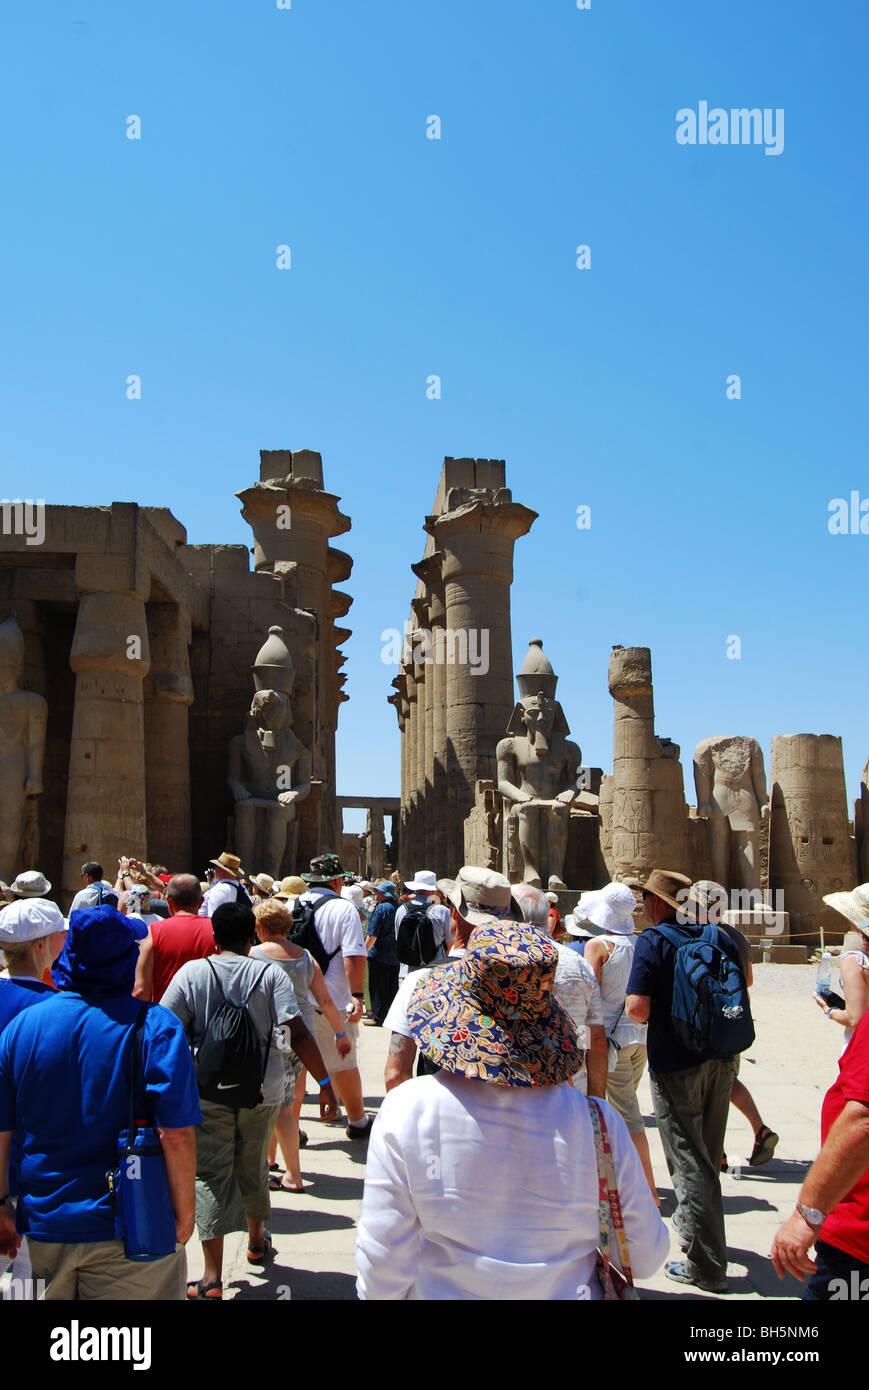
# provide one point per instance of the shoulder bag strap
(135, 1069)
(609, 1194)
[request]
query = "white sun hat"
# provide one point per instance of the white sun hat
(610, 909)
(424, 881)
(28, 919)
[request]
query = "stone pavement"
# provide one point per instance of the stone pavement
(790, 1066)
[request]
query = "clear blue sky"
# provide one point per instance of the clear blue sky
(410, 256)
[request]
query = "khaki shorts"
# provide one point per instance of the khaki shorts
(326, 1043)
(232, 1177)
(99, 1271)
(622, 1083)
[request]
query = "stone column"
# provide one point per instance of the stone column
(428, 571)
(810, 846)
(409, 847)
(168, 694)
(375, 842)
(293, 519)
(649, 815)
(106, 793)
(476, 540)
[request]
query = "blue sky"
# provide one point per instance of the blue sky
(410, 256)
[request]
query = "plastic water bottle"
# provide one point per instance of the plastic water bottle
(824, 977)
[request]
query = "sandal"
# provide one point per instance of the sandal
(259, 1257)
(764, 1147)
(275, 1168)
(198, 1289)
(275, 1183)
(285, 1187)
(303, 1138)
(678, 1271)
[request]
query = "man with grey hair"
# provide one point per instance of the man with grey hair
(577, 991)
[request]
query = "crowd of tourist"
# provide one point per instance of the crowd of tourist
(509, 1158)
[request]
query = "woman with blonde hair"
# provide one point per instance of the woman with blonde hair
(853, 961)
(273, 922)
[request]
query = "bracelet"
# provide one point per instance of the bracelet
(340, 1035)
(358, 996)
(325, 1081)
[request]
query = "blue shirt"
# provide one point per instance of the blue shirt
(652, 974)
(16, 995)
(381, 925)
(64, 1089)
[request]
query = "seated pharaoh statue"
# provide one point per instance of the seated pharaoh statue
(537, 774)
(269, 767)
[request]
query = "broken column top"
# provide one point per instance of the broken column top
(469, 474)
(305, 465)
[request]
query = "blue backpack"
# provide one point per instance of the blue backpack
(710, 1009)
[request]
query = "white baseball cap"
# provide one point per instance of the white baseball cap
(28, 920)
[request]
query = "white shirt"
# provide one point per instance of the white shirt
(339, 928)
(434, 1225)
(224, 891)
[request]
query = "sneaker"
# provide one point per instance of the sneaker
(679, 1272)
(360, 1131)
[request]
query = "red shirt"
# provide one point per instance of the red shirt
(847, 1226)
(177, 940)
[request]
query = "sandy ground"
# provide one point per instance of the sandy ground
(788, 1070)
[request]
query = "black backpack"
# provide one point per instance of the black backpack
(414, 942)
(230, 1060)
(305, 934)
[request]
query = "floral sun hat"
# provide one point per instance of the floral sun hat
(493, 1016)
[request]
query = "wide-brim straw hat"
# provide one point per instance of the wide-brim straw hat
(264, 881)
(480, 894)
(666, 884)
(291, 887)
(853, 906)
(610, 909)
(230, 862)
(492, 1015)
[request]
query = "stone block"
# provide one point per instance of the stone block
(759, 923)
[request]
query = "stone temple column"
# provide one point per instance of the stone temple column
(425, 714)
(810, 850)
(649, 816)
(399, 702)
(476, 540)
(106, 793)
(168, 696)
(409, 845)
(428, 571)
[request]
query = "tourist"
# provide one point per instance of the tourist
(225, 885)
(339, 933)
(352, 893)
(232, 1144)
(273, 922)
(263, 886)
(706, 902)
(64, 1084)
(136, 902)
(32, 933)
(691, 1094)
(31, 884)
(556, 925)
(832, 1211)
(172, 943)
(609, 953)
(482, 1181)
(577, 991)
(479, 897)
(96, 890)
(853, 961)
(289, 889)
(383, 963)
(422, 895)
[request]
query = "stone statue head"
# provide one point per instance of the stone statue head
(538, 717)
(271, 709)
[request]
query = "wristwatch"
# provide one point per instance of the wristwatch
(358, 996)
(811, 1215)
